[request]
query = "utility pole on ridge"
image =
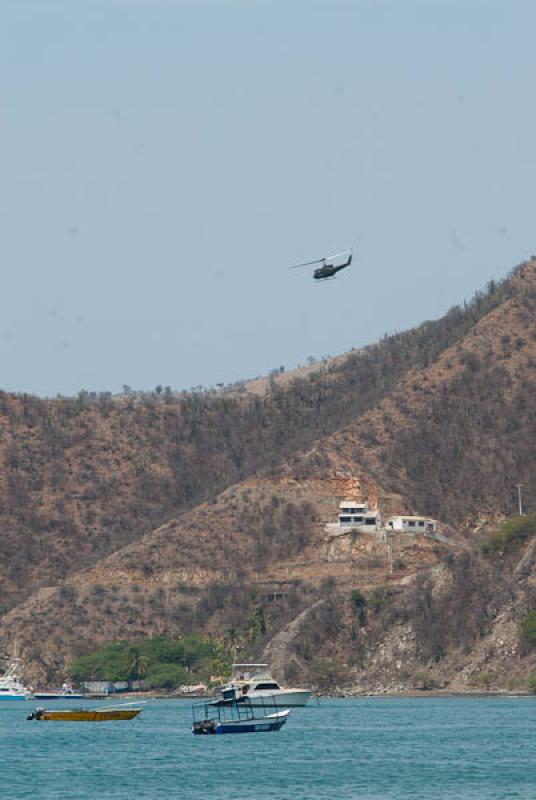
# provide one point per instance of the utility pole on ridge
(520, 498)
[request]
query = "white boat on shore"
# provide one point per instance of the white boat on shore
(256, 682)
(11, 684)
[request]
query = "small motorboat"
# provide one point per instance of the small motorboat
(233, 714)
(105, 714)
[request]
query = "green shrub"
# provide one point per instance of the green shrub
(528, 628)
(107, 664)
(484, 679)
(359, 603)
(167, 676)
(512, 533)
(379, 597)
(424, 681)
(531, 683)
(156, 659)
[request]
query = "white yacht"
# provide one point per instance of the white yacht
(256, 681)
(11, 685)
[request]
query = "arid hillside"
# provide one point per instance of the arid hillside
(456, 437)
(160, 514)
(82, 477)
(467, 623)
(260, 544)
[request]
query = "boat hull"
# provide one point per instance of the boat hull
(59, 696)
(82, 715)
(285, 699)
(252, 727)
(9, 697)
(268, 724)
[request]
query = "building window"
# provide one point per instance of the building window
(370, 521)
(345, 519)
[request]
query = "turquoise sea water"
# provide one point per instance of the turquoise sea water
(371, 748)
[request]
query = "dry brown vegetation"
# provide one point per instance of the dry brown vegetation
(163, 514)
(82, 477)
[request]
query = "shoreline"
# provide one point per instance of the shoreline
(434, 693)
(337, 695)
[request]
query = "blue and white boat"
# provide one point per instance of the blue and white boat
(11, 685)
(232, 714)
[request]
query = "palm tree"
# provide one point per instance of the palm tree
(131, 661)
(143, 666)
(135, 664)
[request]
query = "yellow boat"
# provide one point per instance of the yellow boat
(106, 714)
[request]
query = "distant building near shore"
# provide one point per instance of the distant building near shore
(193, 688)
(113, 687)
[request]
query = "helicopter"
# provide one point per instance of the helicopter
(329, 267)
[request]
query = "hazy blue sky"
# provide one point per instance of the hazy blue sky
(163, 162)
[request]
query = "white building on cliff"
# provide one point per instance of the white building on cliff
(409, 524)
(361, 518)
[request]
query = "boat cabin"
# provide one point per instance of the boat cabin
(254, 677)
(234, 714)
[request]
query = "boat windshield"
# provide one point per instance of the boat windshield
(263, 686)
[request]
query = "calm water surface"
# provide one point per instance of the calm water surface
(372, 748)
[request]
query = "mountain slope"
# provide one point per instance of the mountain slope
(439, 420)
(209, 570)
(81, 477)
(456, 437)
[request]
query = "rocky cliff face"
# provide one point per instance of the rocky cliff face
(455, 627)
(136, 517)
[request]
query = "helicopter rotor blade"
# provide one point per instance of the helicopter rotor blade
(342, 253)
(308, 263)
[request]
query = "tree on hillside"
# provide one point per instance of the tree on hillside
(135, 664)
